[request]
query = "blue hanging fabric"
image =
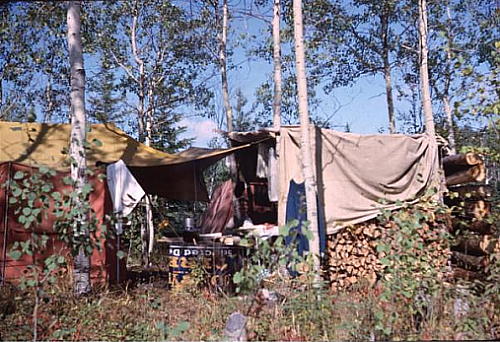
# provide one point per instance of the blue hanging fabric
(296, 209)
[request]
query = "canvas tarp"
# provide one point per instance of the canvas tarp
(355, 171)
(174, 176)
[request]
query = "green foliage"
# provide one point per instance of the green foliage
(105, 99)
(414, 258)
(34, 61)
(172, 332)
(268, 257)
(36, 200)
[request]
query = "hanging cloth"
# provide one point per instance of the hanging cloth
(296, 209)
(125, 190)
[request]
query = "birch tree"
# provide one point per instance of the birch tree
(81, 271)
(424, 70)
(224, 25)
(277, 63)
(448, 80)
(157, 53)
(33, 59)
(385, 16)
(458, 41)
(346, 45)
(305, 128)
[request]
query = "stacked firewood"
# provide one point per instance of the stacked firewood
(464, 168)
(476, 235)
(352, 255)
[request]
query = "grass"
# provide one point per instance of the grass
(149, 312)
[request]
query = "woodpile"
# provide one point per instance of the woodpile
(477, 244)
(476, 238)
(464, 168)
(352, 255)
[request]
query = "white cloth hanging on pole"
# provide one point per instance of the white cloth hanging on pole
(267, 167)
(125, 190)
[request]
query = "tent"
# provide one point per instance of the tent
(354, 172)
(174, 176)
(27, 146)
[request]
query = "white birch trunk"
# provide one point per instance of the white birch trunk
(149, 229)
(307, 155)
(81, 270)
(223, 66)
(384, 20)
(273, 184)
(446, 93)
(145, 126)
(231, 161)
(424, 69)
(277, 64)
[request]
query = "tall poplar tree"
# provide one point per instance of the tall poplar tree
(157, 52)
(224, 26)
(77, 143)
(277, 63)
(424, 69)
(305, 128)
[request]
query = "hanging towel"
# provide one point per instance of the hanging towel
(262, 170)
(272, 175)
(125, 191)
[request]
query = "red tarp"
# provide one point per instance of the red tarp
(220, 210)
(103, 263)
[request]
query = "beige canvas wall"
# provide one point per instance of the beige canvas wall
(354, 172)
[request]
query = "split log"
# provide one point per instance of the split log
(468, 158)
(476, 173)
(473, 209)
(477, 209)
(477, 245)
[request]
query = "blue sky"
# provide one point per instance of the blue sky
(361, 106)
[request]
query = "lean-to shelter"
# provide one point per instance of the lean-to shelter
(354, 172)
(28, 146)
(174, 176)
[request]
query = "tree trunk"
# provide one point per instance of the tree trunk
(476, 173)
(384, 21)
(148, 237)
(145, 126)
(446, 93)
(424, 70)
(223, 66)
(449, 124)
(463, 159)
(277, 64)
(50, 103)
(78, 134)
(307, 155)
(231, 161)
